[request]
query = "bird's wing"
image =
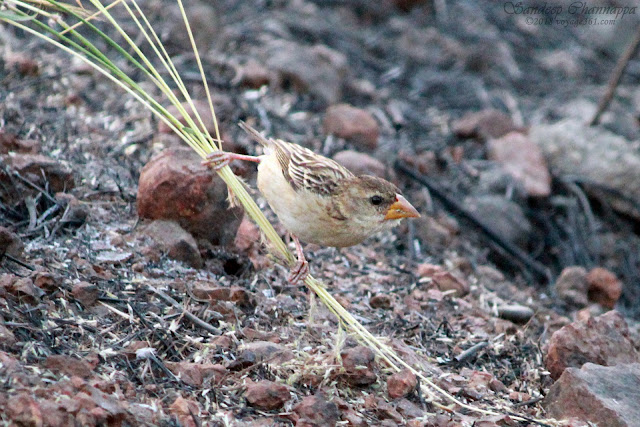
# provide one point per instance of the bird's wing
(303, 168)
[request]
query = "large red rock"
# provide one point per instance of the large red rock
(353, 124)
(603, 395)
(174, 185)
(603, 340)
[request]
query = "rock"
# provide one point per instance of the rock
(317, 70)
(515, 313)
(223, 107)
(235, 294)
(358, 363)
(175, 242)
(361, 164)
(86, 293)
(23, 410)
(42, 170)
(502, 216)
(10, 142)
(603, 395)
(380, 301)
(254, 75)
(315, 410)
(175, 186)
(596, 155)
(185, 410)
(444, 280)
(604, 287)
(267, 352)
(267, 394)
(69, 366)
(401, 384)
(353, 124)
(10, 243)
(485, 124)
(194, 374)
(24, 289)
(603, 340)
(523, 159)
(572, 287)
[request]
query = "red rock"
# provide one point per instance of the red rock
(43, 170)
(25, 290)
(10, 243)
(86, 293)
(572, 286)
(23, 410)
(604, 287)
(603, 340)
(267, 394)
(485, 124)
(254, 75)
(358, 362)
(524, 160)
(604, 396)
(361, 163)
(380, 301)
(195, 374)
(267, 351)
(11, 143)
(353, 124)
(401, 384)
(47, 281)
(175, 186)
(185, 410)
(315, 410)
(69, 366)
(175, 241)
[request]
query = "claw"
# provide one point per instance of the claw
(218, 159)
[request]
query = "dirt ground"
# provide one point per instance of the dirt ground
(88, 332)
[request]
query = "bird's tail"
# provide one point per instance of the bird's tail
(254, 134)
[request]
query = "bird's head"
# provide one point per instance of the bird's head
(374, 202)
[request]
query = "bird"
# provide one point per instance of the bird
(318, 200)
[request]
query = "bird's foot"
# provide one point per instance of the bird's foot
(219, 159)
(300, 271)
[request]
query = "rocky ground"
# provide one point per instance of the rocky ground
(131, 295)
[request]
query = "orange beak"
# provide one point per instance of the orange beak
(401, 208)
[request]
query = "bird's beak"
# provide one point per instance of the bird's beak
(401, 208)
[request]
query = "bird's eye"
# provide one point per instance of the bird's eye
(376, 200)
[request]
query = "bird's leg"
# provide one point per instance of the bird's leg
(219, 159)
(300, 271)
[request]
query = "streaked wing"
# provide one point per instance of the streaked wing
(306, 170)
